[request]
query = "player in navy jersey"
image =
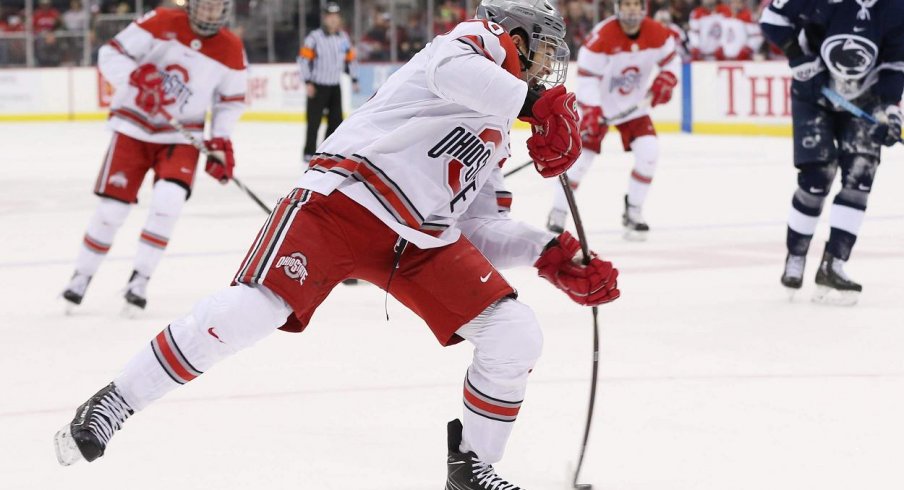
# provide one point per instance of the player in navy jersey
(856, 48)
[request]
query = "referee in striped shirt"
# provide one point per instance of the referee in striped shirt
(327, 53)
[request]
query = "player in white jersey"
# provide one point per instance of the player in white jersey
(407, 194)
(614, 68)
(169, 63)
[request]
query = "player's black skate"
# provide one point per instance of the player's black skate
(75, 290)
(793, 275)
(555, 222)
(466, 472)
(833, 286)
(136, 294)
(636, 228)
(94, 424)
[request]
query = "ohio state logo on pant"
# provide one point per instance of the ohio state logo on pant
(294, 266)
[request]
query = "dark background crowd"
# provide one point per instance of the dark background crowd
(69, 32)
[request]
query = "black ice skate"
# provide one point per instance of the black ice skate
(793, 276)
(636, 228)
(350, 282)
(136, 294)
(466, 472)
(94, 424)
(556, 220)
(75, 290)
(833, 286)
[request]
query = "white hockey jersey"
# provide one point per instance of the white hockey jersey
(614, 70)
(424, 154)
(201, 73)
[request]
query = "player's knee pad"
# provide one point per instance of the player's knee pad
(228, 321)
(513, 336)
(646, 155)
(168, 198)
(858, 172)
(112, 212)
(815, 179)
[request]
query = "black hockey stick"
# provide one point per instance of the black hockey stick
(585, 250)
(172, 121)
(845, 104)
(518, 168)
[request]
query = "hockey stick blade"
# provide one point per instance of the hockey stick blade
(585, 250)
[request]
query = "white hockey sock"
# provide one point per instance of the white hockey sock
(646, 155)
(219, 325)
(507, 343)
(167, 201)
(108, 217)
(575, 175)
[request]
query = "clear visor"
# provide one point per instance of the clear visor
(207, 16)
(549, 61)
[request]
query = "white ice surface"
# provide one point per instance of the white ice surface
(710, 378)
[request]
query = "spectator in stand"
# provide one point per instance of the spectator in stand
(14, 49)
(375, 44)
(415, 37)
(706, 28)
(75, 19)
(448, 15)
(664, 17)
(47, 49)
(741, 36)
(45, 18)
(577, 25)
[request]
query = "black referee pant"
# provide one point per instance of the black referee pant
(326, 98)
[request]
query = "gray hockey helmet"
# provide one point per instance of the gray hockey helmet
(545, 29)
(208, 16)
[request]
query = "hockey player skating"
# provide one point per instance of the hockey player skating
(857, 49)
(614, 66)
(407, 194)
(168, 62)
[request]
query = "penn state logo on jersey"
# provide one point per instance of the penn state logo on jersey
(849, 57)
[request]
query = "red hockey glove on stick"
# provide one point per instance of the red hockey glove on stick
(593, 130)
(555, 142)
(662, 88)
(589, 285)
(151, 96)
(220, 161)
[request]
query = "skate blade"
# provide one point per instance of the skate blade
(67, 452)
(635, 236)
(827, 296)
(131, 311)
(792, 293)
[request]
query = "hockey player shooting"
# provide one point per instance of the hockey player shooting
(856, 48)
(168, 63)
(614, 66)
(407, 194)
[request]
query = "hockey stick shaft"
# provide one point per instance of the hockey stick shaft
(845, 104)
(199, 145)
(585, 249)
(518, 168)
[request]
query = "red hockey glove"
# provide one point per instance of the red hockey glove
(555, 142)
(746, 54)
(662, 88)
(589, 285)
(151, 96)
(592, 127)
(221, 161)
(696, 55)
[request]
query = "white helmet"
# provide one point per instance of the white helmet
(544, 29)
(632, 19)
(208, 16)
